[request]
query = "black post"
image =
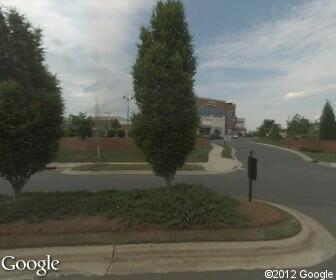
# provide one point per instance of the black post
(251, 172)
(250, 190)
(250, 179)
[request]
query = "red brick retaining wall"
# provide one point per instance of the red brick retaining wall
(318, 145)
(74, 143)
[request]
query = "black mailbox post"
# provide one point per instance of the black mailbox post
(251, 172)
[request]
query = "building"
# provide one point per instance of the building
(103, 123)
(217, 116)
(240, 127)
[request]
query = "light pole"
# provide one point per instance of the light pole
(128, 99)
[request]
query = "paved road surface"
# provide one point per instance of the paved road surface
(284, 178)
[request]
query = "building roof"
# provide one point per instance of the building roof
(215, 100)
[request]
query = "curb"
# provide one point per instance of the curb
(301, 155)
(311, 246)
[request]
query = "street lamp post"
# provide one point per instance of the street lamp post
(128, 99)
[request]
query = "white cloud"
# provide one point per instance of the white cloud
(298, 51)
(297, 94)
(90, 45)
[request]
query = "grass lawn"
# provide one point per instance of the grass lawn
(199, 154)
(180, 214)
(130, 166)
(326, 157)
(226, 153)
(279, 142)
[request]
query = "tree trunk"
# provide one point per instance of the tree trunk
(98, 152)
(169, 180)
(17, 185)
(17, 191)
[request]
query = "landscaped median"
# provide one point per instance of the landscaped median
(182, 228)
(182, 213)
(129, 166)
(217, 162)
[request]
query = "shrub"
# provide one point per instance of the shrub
(111, 132)
(121, 133)
(129, 132)
(115, 124)
(181, 205)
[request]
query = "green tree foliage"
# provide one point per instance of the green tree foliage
(269, 129)
(264, 129)
(163, 80)
(31, 107)
(111, 132)
(327, 123)
(274, 132)
(299, 126)
(115, 124)
(83, 125)
(121, 132)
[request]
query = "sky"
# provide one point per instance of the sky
(272, 58)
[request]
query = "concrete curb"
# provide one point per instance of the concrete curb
(301, 155)
(311, 246)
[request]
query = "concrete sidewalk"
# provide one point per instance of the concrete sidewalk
(311, 246)
(216, 165)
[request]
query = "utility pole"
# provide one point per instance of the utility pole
(128, 99)
(108, 118)
(97, 115)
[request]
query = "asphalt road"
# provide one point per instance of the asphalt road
(283, 178)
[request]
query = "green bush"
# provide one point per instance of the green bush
(115, 124)
(180, 205)
(111, 132)
(129, 132)
(121, 133)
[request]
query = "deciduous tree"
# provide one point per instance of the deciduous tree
(163, 78)
(31, 107)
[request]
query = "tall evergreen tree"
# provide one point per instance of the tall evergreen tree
(31, 107)
(327, 123)
(163, 80)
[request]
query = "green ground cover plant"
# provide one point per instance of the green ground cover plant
(226, 153)
(181, 205)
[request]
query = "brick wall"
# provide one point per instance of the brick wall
(318, 145)
(74, 143)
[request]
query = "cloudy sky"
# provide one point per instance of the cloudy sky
(272, 58)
